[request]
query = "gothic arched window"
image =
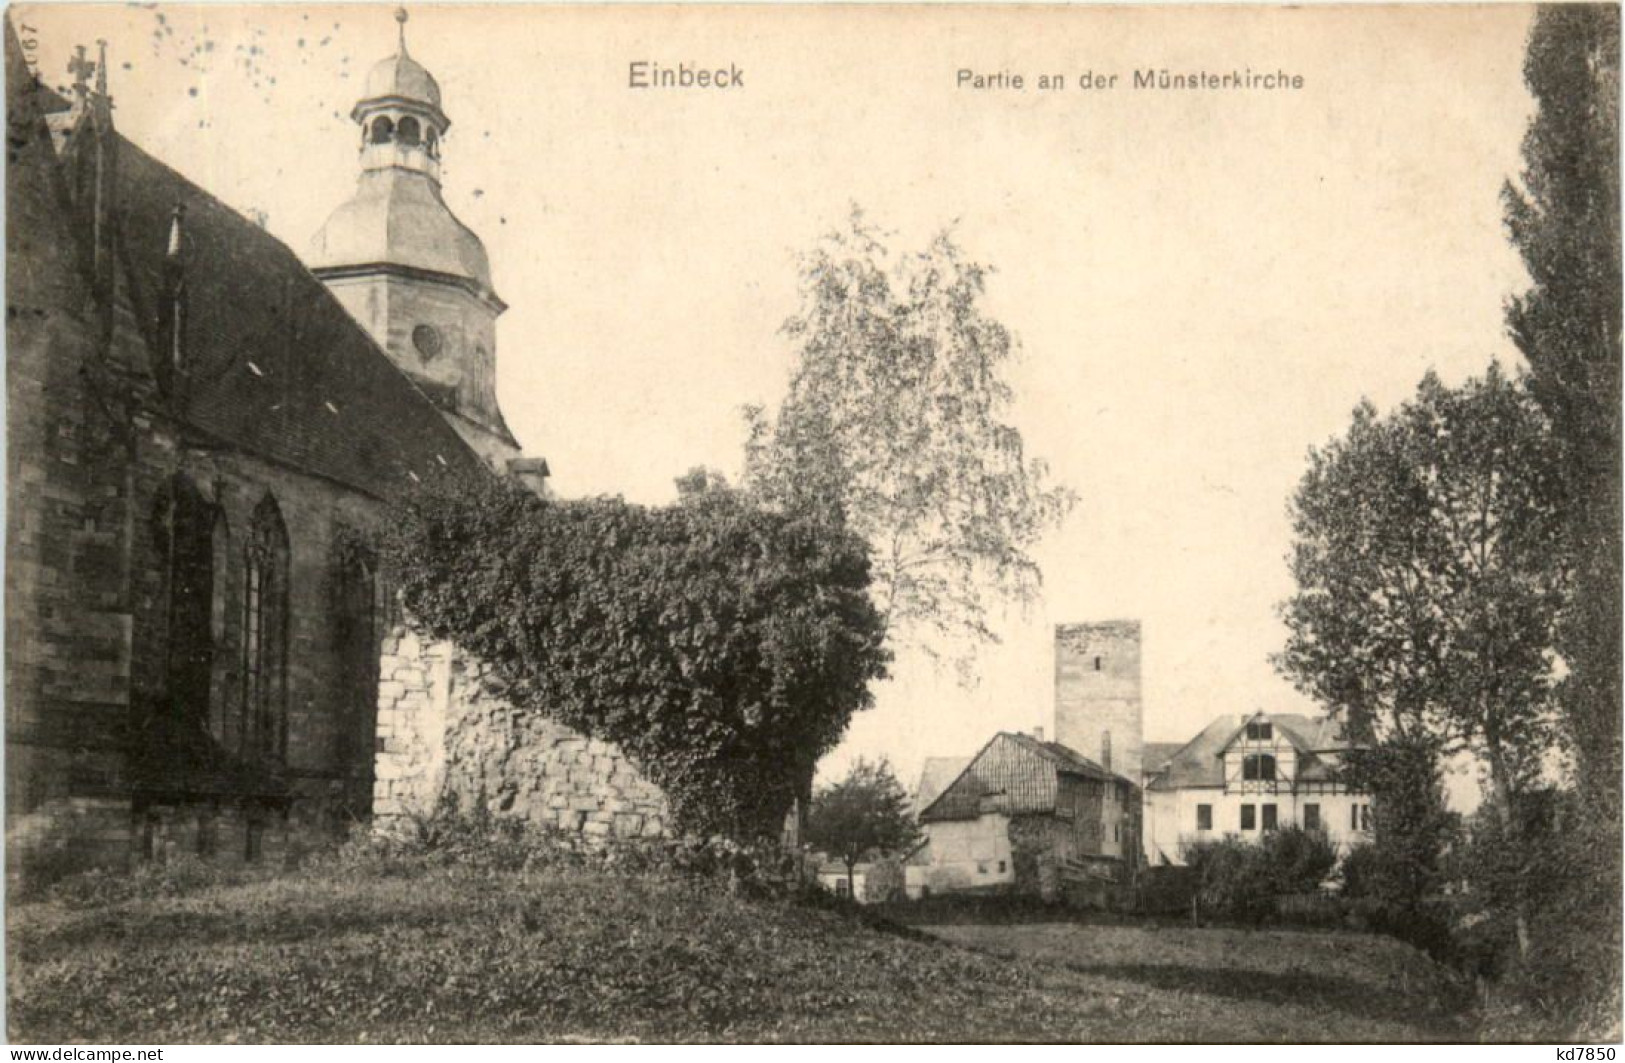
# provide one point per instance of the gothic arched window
(355, 643)
(188, 526)
(382, 130)
(407, 131)
(265, 634)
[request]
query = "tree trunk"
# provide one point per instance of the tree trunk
(851, 889)
(1501, 798)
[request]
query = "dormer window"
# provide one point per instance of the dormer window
(1260, 731)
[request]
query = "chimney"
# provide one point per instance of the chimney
(1038, 733)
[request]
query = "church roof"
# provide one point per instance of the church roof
(276, 365)
(404, 78)
(397, 218)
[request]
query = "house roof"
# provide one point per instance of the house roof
(1154, 756)
(1200, 762)
(1020, 772)
(275, 365)
(935, 777)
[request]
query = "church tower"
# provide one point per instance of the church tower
(402, 264)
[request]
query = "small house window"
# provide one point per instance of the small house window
(981, 868)
(1270, 822)
(1204, 817)
(1311, 817)
(1248, 820)
(1001, 867)
(1258, 767)
(1260, 731)
(1097, 664)
(842, 888)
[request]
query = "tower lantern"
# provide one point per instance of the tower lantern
(405, 267)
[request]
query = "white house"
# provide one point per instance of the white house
(1246, 775)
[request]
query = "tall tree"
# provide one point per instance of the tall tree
(864, 814)
(1429, 583)
(1563, 217)
(897, 419)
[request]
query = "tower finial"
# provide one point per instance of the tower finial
(400, 17)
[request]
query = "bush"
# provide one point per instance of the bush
(1297, 861)
(1241, 880)
(721, 645)
(1236, 881)
(1169, 889)
(1560, 867)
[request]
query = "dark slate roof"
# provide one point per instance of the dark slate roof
(1200, 762)
(1020, 772)
(275, 365)
(1154, 756)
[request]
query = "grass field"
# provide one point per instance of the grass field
(410, 952)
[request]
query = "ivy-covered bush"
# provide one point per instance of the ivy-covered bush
(721, 645)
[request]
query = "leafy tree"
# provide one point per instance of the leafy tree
(1564, 219)
(722, 646)
(865, 813)
(1429, 581)
(896, 418)
(1401, 865)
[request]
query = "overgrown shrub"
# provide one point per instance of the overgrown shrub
(1236, 882)
(1559, 865)
(1298, 861)
(721, 645)
(1241, 880)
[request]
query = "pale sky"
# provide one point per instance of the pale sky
(1205, 283)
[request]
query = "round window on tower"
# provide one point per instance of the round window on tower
(426, 338)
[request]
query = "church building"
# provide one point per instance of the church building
(203, 435)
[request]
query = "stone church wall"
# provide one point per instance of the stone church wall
(445, 730)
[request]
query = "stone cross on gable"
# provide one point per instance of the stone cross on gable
(81, 68)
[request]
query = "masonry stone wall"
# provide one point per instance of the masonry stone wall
(445, 730)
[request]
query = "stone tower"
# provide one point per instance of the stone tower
(402, 264)
(1098, 711)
